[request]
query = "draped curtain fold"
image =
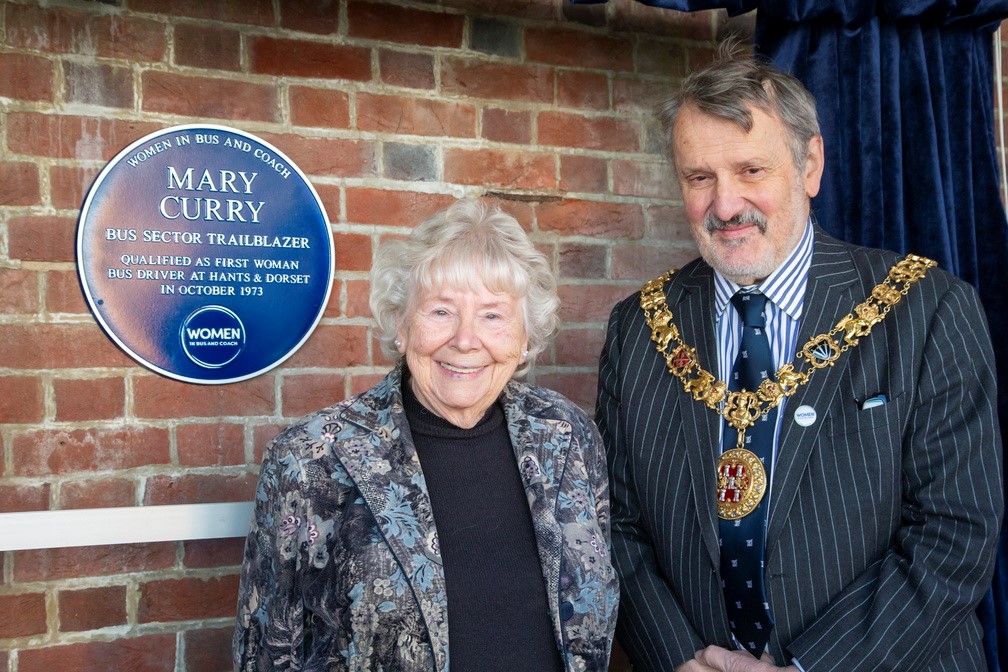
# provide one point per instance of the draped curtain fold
(904, 90)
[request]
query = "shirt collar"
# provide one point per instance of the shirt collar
(785, 287)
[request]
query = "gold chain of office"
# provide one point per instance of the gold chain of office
(742, 408)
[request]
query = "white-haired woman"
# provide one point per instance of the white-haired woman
(451, 517)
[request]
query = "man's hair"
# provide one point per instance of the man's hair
(735, 83)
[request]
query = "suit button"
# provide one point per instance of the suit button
(566, 611)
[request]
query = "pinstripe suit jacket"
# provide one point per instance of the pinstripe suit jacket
(883, 522)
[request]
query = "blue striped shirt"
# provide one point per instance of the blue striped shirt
(785, 292)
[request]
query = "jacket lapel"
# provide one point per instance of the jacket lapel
(386, 469)
(541, 446)
(828, 297)
(694, 313)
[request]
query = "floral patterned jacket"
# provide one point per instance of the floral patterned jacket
(341, 567)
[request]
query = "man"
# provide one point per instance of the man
(838, 514)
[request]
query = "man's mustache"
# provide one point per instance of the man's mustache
(714, 223)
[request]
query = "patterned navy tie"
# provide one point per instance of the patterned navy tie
(743, 541)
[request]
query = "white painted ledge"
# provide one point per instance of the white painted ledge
(125, 525)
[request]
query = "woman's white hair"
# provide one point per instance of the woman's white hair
(469, 241)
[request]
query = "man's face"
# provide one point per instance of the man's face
(745, 200)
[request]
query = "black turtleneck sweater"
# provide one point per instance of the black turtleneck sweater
(498, 615)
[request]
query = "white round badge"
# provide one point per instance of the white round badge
(805, 416)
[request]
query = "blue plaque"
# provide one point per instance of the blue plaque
(205, 254)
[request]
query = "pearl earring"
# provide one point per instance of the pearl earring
(525, 355)
(397, 343)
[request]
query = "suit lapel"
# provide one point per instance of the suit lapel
(694, 313)
(828, 297)
(386, 469)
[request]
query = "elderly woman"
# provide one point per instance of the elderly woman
(450, 518)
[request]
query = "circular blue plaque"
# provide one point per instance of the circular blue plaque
(205, 254)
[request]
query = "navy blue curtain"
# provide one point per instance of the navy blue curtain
(905, 97)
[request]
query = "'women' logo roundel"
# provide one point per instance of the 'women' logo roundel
(212, 336)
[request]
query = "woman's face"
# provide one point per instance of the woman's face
(462, 345)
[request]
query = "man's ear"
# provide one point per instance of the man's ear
(815, 159)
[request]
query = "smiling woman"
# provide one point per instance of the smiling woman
(450, 511)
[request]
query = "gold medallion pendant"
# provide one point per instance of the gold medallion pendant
(741, 483)
(741, 478)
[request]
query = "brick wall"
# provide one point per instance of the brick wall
(392, 110)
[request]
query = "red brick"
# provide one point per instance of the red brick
(46, 452)
(57, 346)
(209, 47)
(358, 295)
(333, 346)
(415, 27)
(330, 196)
(19, 183)
(58, 30)
(97, 493)
(582, 261)
(156, 397)
(589, 90)
(507, 125)
(583, 173)
(208, 97)
(640, 178)
(579, 347)
(22, 615)
(91, 608)
(323, 108)
(69, 184)
(63, 293)
(256, 12)
(668, 223)
(98, 84)
(662, 58)
(50, 564)
(72, 137)
(212, 444)
(400, 68)
(482, 79)
(18, 291)
(515, 170)
(21, 399)
(24, 498)
(199, 489)
(645, 261)
(364, 382)
(25, 77)
(187, 599)
(212, 553)
(326, 156)
(573, 130)
(311, 17)
(636, 17)
(353, 251)
(42, 238)
(591, 303)
(528, 9)
(208, 649)
(392, 208)
(590, 218)
(578, 48)
(415, 116)
(89, 398)
(301, 58)
(517, 207)
(581, 388)
(150, 653)
(261, 436)
(303, 394)
(639, 96)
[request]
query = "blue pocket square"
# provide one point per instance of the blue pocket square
(872, 402)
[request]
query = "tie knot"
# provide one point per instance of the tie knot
(750, 306)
